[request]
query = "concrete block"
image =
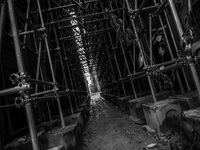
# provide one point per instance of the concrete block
(135, 105)
(21, 143)
(85, 114)
(60, 136)
(75, 118)
(86, 104)
(135, 108)
(82, 111)
(68, 137)
(49, 140)
(193, 116)
(156, 113)
(85, 107)
(123, 103)
(143, 94)
(191, 99)
(191, 122)
(114, 100)
(109, 98)
(49, 125)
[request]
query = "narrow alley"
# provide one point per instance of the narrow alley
(110, 129)
(99, 74)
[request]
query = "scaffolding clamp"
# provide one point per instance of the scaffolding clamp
(55, 88)
(22, 100)
(57, 49)
(19, 102)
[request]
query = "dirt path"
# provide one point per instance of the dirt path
(110, 129)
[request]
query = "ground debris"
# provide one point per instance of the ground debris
(110, 129)
(151, 146)
(146, 127)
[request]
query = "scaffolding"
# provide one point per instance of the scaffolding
(133, 46)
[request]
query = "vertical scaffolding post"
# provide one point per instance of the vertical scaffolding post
(60, 57)
(114, 76)
(146, 40)
(39, 71)
(170, 51)
(2, 24)
(73, 83)
(176, 48)
(27, 16)
(181, 32)
(109, 56)
(150, 39)
(48, 108)
(115, 57)
(69, 72)
(124, 54)
(140, 48)
(190, 6)
(6, 98)
(51, 66)
(127, 66)
(67, 62)
(21, 68)
(133, 63)
(120, 75)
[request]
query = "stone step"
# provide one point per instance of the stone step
(122, 103)
(60, 136)
(191, 122)
(156, 113)
(110, 98)
(191, 99)
(75, 118)
(135, 106)
(114, 100)
(69, 137)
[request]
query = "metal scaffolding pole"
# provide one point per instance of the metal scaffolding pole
(2, 24)
(127, 66)
(51, 67)
(170, 51)
(115, 57)
(6, 98)
(75, 83)
(109, 56)
(48, 107)
(39, 70)
(60, 57)
(114, 76)
(141, 51)
(133, 63)
(69, 72)
(21, 68)
(145, 36)
(176, 48)
(181, 32)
